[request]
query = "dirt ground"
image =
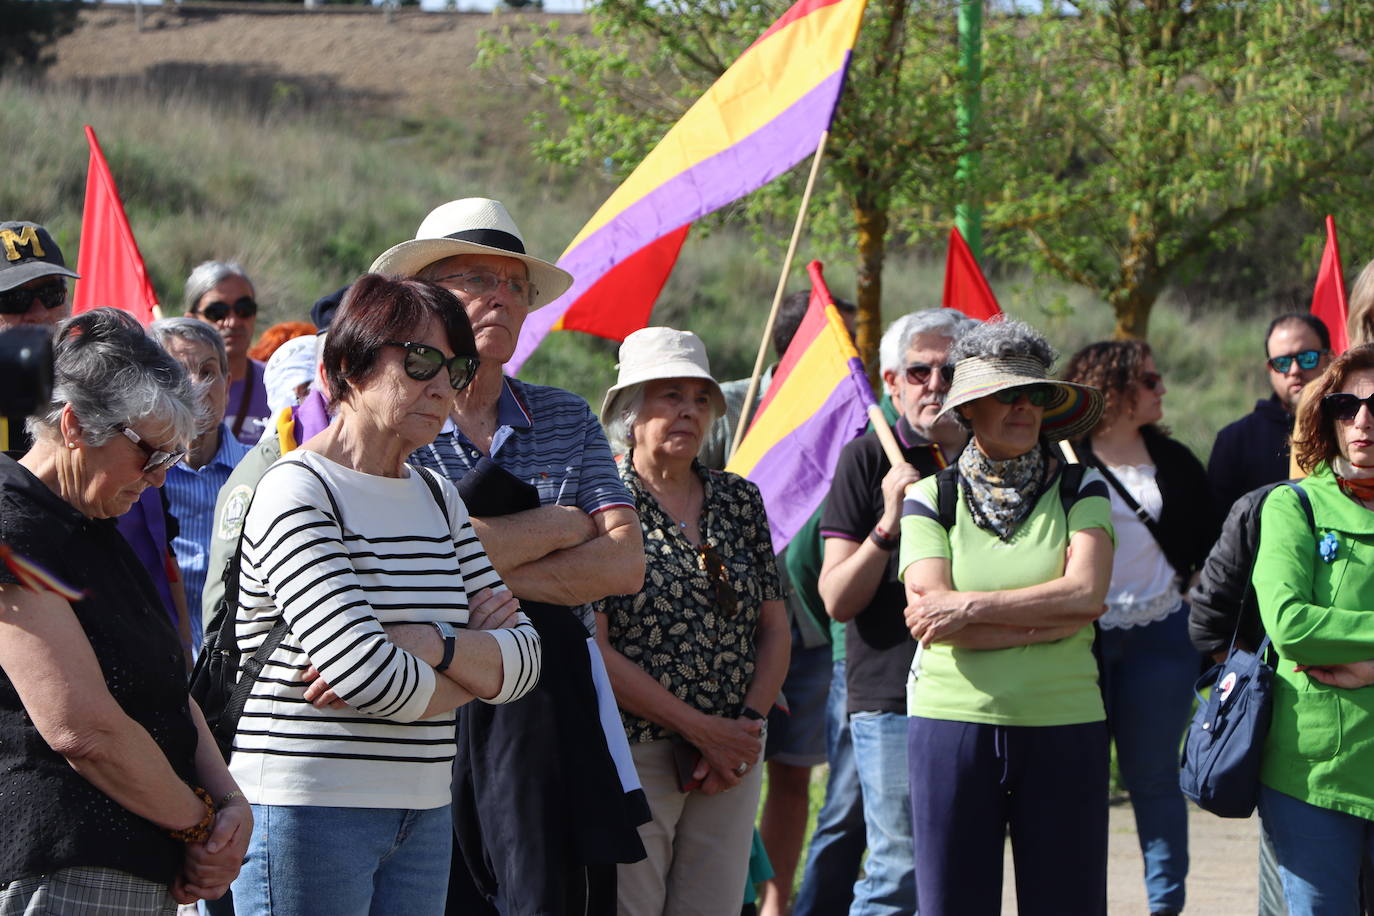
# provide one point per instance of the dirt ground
(1222, 880)
(349, 56)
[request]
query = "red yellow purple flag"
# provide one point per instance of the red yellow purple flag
(765, 114)
(1328, 297)
(111, 268)
(818, 400)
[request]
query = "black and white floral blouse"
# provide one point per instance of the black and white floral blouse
(680, 627)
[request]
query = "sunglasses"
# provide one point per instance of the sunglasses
(485, 283)
(726, 597)
(20, 300)
(1342, 406)
(1151, 380)
(423, 362)
(158, 460)
(1307, 359)
(1037, 395)
(919, 373)
(218, 311)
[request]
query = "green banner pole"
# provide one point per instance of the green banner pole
(969, 213)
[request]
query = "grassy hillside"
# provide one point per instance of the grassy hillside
(306, 196)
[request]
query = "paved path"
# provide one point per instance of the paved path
(1221, 881)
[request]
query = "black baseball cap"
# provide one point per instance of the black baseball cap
(28, 252)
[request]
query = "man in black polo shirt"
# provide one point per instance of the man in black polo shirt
(859, 584)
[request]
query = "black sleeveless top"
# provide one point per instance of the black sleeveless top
(52, 817)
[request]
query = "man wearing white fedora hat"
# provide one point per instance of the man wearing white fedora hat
(565, 532)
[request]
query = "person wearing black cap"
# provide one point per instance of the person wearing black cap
(33, 291)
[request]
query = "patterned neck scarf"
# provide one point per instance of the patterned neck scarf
(1355, 482)
(1000, 494)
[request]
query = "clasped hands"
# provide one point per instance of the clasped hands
(725, 744)
(934, 615)
(208, 868)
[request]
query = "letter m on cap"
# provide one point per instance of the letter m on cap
(27, 236)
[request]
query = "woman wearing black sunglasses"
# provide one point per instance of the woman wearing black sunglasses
(1315, 593)
(1006, 558)
(220, 293)
(698, 655)
(394, 618)
(113, 795)
(1165, 525)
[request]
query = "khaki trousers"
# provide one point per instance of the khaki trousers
(698, 845)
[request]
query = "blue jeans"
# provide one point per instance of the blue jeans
(888, 887)
(306, 860)
(1148, 674)
(837, 845)
(1319, 852)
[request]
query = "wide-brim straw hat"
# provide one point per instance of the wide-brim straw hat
(655, 353)
(473, 225)
(1072, 413)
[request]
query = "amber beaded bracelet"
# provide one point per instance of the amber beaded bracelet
(201, 831)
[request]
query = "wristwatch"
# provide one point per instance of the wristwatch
(750, 712)
(449, 634)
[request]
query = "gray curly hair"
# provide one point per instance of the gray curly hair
(1007, 337)
(115, 375)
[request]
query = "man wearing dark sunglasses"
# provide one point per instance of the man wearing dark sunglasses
(1253, 451)
(220, 293)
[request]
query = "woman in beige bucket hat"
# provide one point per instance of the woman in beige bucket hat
(698, 655)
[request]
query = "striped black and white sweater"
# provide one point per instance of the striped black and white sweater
(390, 558)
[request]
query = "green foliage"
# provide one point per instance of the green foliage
(30, 29)
(1130, 142)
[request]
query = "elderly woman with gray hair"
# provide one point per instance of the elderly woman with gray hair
(219, 293)
(1007, 556)
(697, 656)
(194, 483)
(113, 794)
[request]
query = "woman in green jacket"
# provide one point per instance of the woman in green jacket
(1316, 597)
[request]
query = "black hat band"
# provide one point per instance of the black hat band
(492, 238)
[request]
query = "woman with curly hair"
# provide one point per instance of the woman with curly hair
(1165, 525)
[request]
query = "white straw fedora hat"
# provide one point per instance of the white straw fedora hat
(1072, 412)
(473, 225)
(654, 353)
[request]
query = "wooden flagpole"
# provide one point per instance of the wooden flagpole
(748, 407)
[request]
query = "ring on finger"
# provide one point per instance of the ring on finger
(741, 769)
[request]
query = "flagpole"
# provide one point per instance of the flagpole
(747, 408)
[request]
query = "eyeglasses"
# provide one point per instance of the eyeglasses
(218, 311)
(158, 460)
(1151, 380)
(486, 283)
(1343, 406)
(727, 599)
(1307, 359)
(423, 362)
(1037, 395)
(919, 373)
(20, 300)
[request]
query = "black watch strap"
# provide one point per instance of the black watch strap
(750, 713)
(447, 660)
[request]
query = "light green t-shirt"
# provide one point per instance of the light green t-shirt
(1044, 684)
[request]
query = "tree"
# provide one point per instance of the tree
(1143, 138)
(31, 28)
(893, 144)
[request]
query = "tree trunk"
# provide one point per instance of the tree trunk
(1133, 314)
(871, 218)
(1140, 282)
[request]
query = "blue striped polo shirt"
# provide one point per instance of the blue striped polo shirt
(545, 436)
(191, 494)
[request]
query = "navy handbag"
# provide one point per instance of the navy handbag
(1225, 743)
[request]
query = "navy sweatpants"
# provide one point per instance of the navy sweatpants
(971, 782)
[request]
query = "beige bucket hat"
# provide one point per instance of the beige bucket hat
(1072, 413)
(472, 225)
(654, 353)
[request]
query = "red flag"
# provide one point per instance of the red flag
(1328, 298)
(966, 289)
(112, 271)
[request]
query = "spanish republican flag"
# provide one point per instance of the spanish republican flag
(818, 401)
(1328, 297)
(112, 271)
(765, 114)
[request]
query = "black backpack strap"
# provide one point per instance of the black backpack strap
(947, 495)
(434, 490)
(1070, 482)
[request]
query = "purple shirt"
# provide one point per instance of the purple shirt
(144, 526)
(253, 408)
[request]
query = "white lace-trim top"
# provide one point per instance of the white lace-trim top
(1144, 586)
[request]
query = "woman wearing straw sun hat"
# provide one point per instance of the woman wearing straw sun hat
(1007, 558)
(698, 654)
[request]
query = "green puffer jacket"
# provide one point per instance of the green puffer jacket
(1319, 611)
